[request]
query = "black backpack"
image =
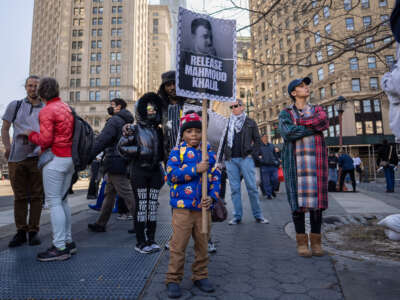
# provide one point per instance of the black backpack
(82, 142)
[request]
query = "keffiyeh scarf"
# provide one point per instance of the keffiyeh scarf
(235, 125)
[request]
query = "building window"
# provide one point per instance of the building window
(316, 19)
(350, 23)
(382, 3)
(377, 105)
(91, 96)
(329, 50)
(350, 42)
(98, 69)
(369, 127)
(77, 96)
(359, 128)
(331, 68)
(98, 96)
(385, 19)
(373, 83)
(379, 128)
(367, 21)
(328, 29)
(369, 42)
(347, 4)
(322, 93)
(319, 56)
(93, 44)
(98, 82)
(353, 63)
(317, 37)
(355, 85)
(371, 62)
(333, 89)
(366, 106)
(320, 74)
(357, 108)
(389, 60)
(326, 12)
(92, 82)
(71, 96)
(98, 55)
(364, 3)
(99, 44)
(387, 40)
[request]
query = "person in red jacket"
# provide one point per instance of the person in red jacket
(55, 140)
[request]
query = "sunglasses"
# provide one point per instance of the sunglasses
(235, 106)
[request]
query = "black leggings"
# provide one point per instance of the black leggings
(315, 221)
(146, 185)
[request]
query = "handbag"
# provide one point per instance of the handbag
(280, 175)
(44, 158)
(385, 163)
(219, 212)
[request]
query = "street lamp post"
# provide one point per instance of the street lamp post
(339, 105)
(248, 103)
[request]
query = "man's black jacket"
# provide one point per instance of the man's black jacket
(249, 139)
(107, 141)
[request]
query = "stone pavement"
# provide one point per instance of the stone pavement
(256, 261)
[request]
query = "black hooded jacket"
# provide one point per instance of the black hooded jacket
(143, 146)
(107, 141)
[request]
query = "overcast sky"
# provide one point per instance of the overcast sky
(15, 40)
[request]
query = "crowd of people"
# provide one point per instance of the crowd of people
(139, 152)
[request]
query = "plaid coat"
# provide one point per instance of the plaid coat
(292, 128)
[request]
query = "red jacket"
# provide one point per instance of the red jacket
(56, 128)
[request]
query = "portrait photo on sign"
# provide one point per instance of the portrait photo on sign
(206, 57)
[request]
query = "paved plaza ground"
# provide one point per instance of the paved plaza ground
(253, 261)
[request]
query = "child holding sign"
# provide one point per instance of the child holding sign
(184, 169)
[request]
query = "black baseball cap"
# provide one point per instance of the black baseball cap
(292, 85)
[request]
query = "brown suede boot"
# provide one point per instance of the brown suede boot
(302, 245)
(316, 248)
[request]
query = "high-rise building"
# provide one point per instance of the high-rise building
(244, 79)
(173, 6)
(96, 49)
(159, 44)
(344, 47)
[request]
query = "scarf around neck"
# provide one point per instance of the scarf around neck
(235, 126)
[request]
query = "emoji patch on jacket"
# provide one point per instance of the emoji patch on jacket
(190, 154)
(180, 204)
(188, 190)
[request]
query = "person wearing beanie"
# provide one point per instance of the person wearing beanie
(305, 164)
(142, 145)
(184, 171)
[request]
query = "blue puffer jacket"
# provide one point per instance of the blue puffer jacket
(185, 182)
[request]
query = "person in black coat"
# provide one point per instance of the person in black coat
(115, 166)
(142, 144)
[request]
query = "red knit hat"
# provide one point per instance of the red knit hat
(192, 120)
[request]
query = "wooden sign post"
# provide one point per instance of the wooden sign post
(204, 155)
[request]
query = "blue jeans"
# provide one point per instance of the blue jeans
(389, 175)
(57, 175)
(245, 166)
(269, 178)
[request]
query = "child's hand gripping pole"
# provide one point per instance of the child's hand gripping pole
(204, 227)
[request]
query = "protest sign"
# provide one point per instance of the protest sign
(206, 57)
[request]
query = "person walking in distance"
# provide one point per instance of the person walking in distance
(347, 167)
(22, 156)
(305, 164)
(115, 166)
(241, 147)
(358, 167)
(269, 163)
(55, 140)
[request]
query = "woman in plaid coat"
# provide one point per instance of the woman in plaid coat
(305, 164)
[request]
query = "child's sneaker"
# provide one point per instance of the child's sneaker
(143, 248)
(154, 246)
(211, 247)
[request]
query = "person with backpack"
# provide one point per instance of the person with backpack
(22, 159)
(143, 146)
(55, 141)
(115, 166)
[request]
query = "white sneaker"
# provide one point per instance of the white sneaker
(123, 217)
(143, 249)
(262, 221)
(154, 247)
(211, 247)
